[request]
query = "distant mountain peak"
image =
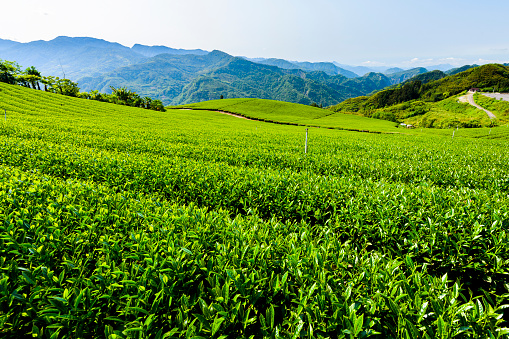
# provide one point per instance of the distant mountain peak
(218, 52)
(393, 70)
(150, 51)
(80, 42)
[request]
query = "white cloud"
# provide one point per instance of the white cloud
(373, 64)
(481, 61)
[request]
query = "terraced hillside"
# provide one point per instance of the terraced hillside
(120, 222)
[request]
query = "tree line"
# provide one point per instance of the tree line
(11, 73)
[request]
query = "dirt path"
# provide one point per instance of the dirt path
(222, 112)
(233, 115)
(470, 99)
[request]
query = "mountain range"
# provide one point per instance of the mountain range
(178, 76)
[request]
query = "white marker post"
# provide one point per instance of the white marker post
(306, 145)
(453, 132)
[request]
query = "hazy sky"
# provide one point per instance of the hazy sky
(361, 32)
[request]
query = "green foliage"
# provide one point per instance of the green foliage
(121, 223)
(62, 86)
(314, 104)
(384, 115)
(407, 92)
(409, 109)
(9, 71)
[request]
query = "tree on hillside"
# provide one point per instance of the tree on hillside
(147, 101)
(84, 95)
(62, 86)
(9, 71)
(46, 82)
(33, 77)
(125, 96)
(157, 105)
(95, 95)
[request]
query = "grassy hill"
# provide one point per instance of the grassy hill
(284, 112)
(123, 222)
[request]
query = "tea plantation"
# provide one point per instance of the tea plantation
(119, 222)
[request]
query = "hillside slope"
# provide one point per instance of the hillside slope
(290, 113)
(432, 103)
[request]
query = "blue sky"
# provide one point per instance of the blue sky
(362, 32)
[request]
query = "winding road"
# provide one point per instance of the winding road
(470, 99)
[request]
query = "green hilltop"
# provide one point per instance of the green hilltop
(280, 112)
